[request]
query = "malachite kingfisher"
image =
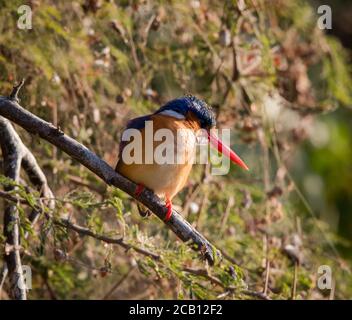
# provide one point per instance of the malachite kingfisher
(181, 119)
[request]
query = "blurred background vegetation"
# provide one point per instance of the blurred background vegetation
(280, 83)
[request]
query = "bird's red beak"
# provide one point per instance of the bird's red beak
(225, 150)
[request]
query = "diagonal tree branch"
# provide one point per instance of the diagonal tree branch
(10, 109)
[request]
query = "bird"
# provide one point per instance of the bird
(187, 114)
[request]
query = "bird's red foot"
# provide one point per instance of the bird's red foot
(139, 189)
(169, 210)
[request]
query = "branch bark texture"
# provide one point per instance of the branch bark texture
(12, 154)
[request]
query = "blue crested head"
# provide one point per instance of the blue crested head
(190, 103)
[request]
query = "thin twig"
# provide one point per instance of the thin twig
(267, 265)
(226, 214)
(205, 274)
(8, 196)
(86, 232)
(255, 294)
(14, 93)
(294, 281)
(4, 273)
(100, 189)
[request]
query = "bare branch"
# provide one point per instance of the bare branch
(35, 125)
(12, 154)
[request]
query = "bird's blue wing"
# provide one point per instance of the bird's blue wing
(136, 123)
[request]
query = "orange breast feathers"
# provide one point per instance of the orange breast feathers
(165, 179)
